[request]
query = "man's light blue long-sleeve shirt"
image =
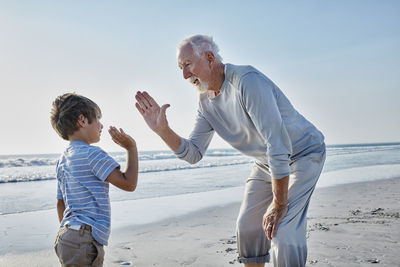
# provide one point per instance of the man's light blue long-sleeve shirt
(253, 115)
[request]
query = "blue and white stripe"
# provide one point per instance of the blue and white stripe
(81, 174)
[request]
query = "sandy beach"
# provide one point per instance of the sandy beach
(349, 225)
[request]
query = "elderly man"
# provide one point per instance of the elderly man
(253, 115)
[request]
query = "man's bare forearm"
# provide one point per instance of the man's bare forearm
(172, 140)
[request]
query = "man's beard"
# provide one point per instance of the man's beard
(201, 86)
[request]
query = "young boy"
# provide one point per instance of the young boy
(83, 175)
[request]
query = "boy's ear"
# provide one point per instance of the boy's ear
(81, 121)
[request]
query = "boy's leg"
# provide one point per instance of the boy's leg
(78, 248)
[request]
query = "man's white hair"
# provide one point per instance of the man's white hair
(200, 44)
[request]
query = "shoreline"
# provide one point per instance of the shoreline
(348, 225)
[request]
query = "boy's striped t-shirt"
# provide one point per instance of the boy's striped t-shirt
(81, 173)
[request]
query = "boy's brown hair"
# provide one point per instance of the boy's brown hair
(66, 110)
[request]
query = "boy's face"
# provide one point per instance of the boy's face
(93, 130)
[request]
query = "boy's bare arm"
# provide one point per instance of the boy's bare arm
(60, 209)
(125, 180)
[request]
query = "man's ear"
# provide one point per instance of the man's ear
(210, 57)
(81, 121)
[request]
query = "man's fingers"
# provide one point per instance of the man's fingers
(151, 101)
(138, 107)
(143, 99)
(138, 97)
(146, 103)
(267, 227)
(265, 222)
(269, 231)
(274, 229)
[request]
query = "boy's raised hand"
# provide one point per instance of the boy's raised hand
(125, 180)
(121, 138)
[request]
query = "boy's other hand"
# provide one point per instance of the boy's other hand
(121, 138)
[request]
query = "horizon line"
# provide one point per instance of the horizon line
(154, 150)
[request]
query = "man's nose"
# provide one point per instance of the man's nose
(186, 73)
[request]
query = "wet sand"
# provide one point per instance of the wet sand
(349, 225)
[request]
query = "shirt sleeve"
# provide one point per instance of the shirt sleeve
(101, 164)
(193, 149)
(260, 99)
(59, 194)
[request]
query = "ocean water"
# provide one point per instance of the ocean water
(27, 182)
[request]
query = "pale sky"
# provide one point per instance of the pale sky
(337, 61)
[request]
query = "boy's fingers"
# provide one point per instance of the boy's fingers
(118, 136)
(117, 141)
(112, 132)
(115, 135)
(114, 140)
(120, 132)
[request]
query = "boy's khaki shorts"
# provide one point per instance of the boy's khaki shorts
(78, 247)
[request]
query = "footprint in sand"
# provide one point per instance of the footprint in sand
(124, 262)
(176, 235)
(189, 261)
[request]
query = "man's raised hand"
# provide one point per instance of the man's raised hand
(154, 116)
